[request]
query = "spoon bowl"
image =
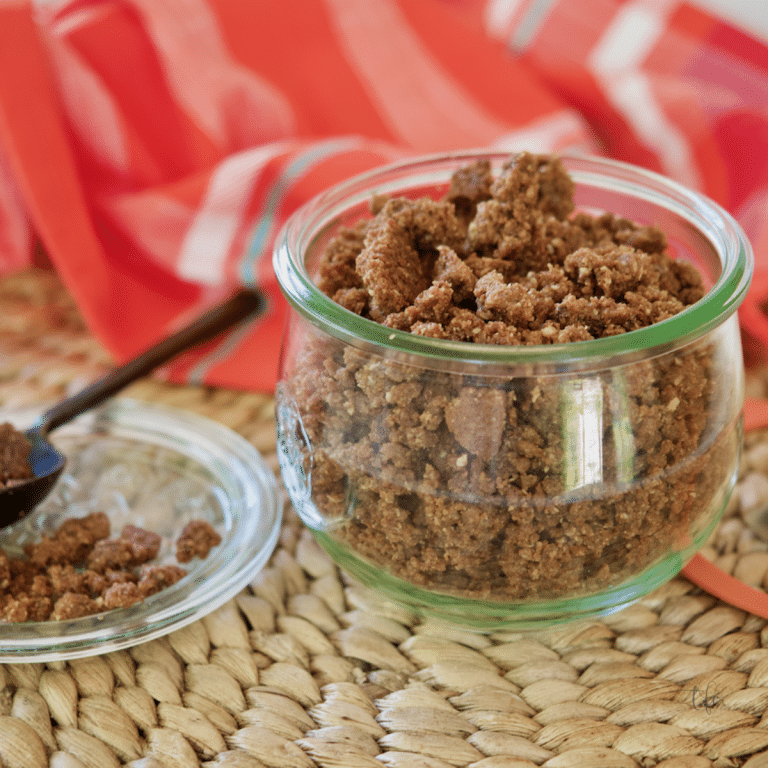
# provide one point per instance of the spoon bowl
(47, 463)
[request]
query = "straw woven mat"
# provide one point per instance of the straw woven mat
(307, 669)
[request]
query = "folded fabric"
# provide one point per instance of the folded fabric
(155, 146)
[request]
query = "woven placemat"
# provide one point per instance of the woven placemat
(305, 668)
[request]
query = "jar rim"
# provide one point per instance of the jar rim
(722, 232)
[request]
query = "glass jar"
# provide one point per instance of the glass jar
(512, 487)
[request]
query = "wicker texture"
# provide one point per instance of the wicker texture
(305, 668)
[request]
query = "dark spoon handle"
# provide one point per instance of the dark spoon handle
(212, 323)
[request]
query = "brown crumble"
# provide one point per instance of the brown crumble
(14, 456)
(79, 571)
(197, 538)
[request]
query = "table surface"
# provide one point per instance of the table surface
(305, 668)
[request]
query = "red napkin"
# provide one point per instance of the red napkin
(155, 146)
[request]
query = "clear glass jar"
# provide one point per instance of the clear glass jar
(511, 487)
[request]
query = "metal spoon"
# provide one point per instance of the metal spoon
(47, 463)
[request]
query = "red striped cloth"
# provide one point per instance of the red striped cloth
(155, 146)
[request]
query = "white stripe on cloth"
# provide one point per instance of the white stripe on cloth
(616, 61)
(752, 214)
(207, 243)
(516, 22)
(67, 23)
(417, 99)
(90, 108)
(563, 131)
(501, 16)
(628, 39)
(153, 221)
(267, 218)
(234, 106)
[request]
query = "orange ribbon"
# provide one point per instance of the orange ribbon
(707, 575)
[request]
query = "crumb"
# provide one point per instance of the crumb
(78, 535)
(155, 578)
(144, 544)
(121, 595)
(110, 554)
(197, 538)
(72, 605)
